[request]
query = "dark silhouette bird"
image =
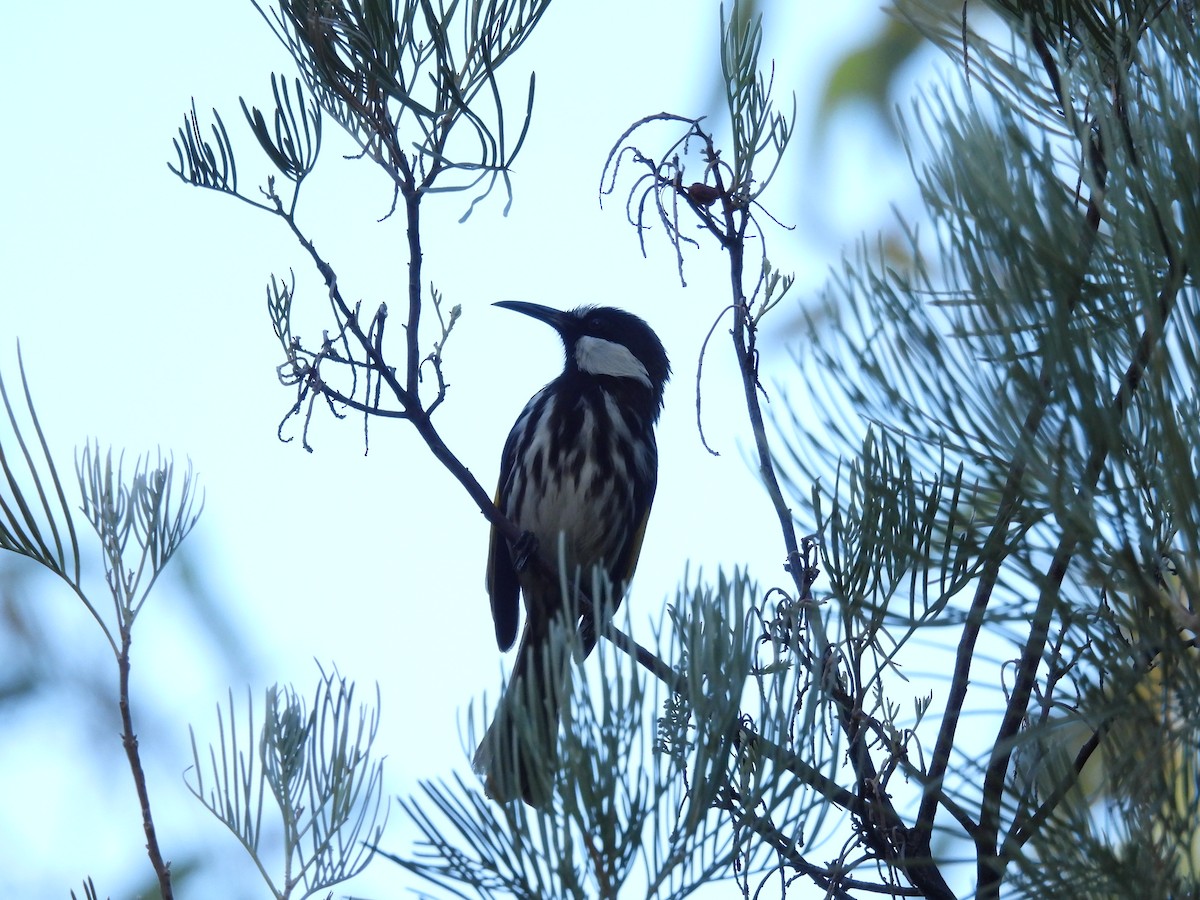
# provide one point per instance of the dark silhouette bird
(577, 476)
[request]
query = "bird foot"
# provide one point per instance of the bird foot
(524, 551)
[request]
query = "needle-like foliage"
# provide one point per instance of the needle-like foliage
(315, 767)
(983, 475)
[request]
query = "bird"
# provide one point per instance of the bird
(577, 475)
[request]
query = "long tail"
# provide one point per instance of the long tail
(518, 756)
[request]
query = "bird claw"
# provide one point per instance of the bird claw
(524, 551)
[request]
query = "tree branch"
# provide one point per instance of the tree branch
(991, 864)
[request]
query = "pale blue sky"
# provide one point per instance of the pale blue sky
(139, 303)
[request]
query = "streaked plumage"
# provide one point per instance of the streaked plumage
(578, 472)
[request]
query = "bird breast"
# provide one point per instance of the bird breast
(581, 461)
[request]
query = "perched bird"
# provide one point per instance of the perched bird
(577, 476)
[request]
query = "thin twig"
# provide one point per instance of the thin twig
(699, 370)
(162, 869)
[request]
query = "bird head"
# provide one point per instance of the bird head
(605, 342)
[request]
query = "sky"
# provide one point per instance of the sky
(139, 304)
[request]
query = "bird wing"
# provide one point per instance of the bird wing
(627, 557)
(504, 590)
(626, 560)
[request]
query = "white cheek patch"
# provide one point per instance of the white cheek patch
(600, 357)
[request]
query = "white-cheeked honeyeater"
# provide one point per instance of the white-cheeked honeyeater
(577, 476)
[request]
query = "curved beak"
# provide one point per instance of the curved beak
(555, 318)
